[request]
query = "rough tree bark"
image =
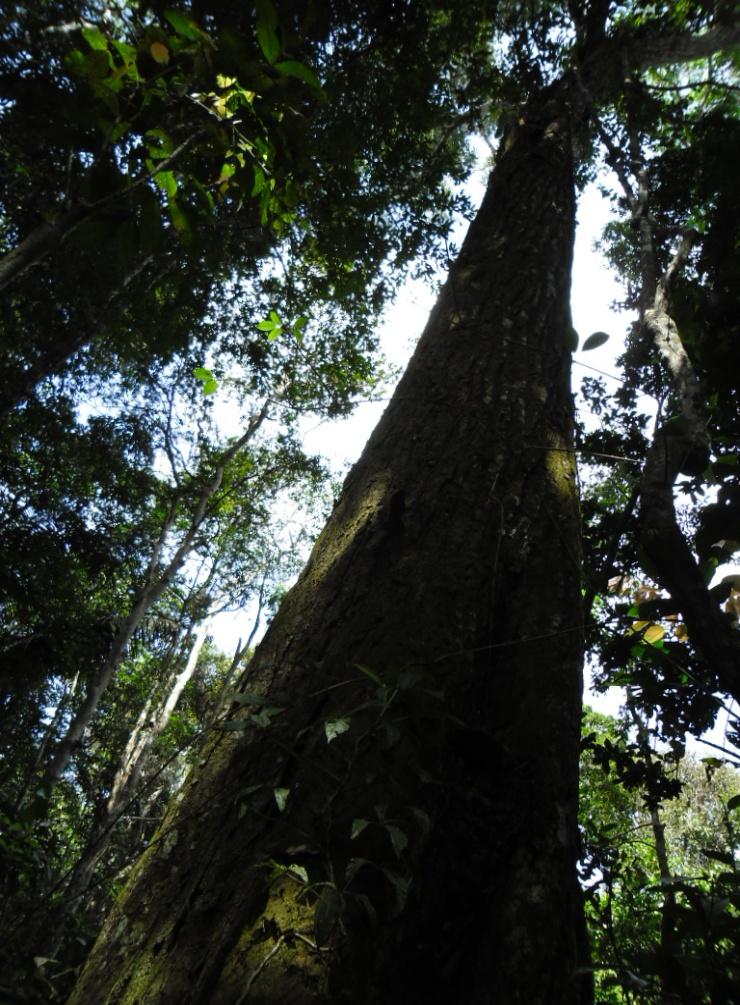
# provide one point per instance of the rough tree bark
(439, 619)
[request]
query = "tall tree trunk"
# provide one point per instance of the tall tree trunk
(435, 638)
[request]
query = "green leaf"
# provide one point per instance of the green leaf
(298, 327)
(273, 325)
(594, 341)
(184, 25)
(292, 68)
(95, 38)
(234, 725)
(401, 887)
(167, 182)
(368, 673)
(179, 219)
(358, 826)
(734, 803)
(327, 914)
(210, 384)
(281, 797)
(423, 819)
(353, 867)
(267, 22)
(571, 340)
(398, 839)
(292, 869)
(334, 728)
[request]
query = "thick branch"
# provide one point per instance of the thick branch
(662, 50)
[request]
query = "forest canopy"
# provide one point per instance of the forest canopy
(204, 211)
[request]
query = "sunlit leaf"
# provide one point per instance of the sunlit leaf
(95, 38)
(654, 634)
(334, 728)
(281, 797)
(159, 53)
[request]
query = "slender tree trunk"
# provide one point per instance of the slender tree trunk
(149, 726)
(438, 623)
(672, 978)
(148, 729)
(156, 584)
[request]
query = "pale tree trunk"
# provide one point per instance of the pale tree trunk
(672, 977)
(149, 727)
(152, 720)
(157, 582)
(450, 571)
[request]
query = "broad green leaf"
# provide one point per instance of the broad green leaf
(353, 867)
(398, 839)
(298, 871)
(594, 341)
(281, 798)
(327, 913)
(334, 728)
(179, 219)
(572, 340)
(184, 25)
(358, 826)
(267, 22)
(401, 886)
(167, 182)
(210, 384)
(95, 38)
(298, 327)
(734, 803)
(292, 68)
